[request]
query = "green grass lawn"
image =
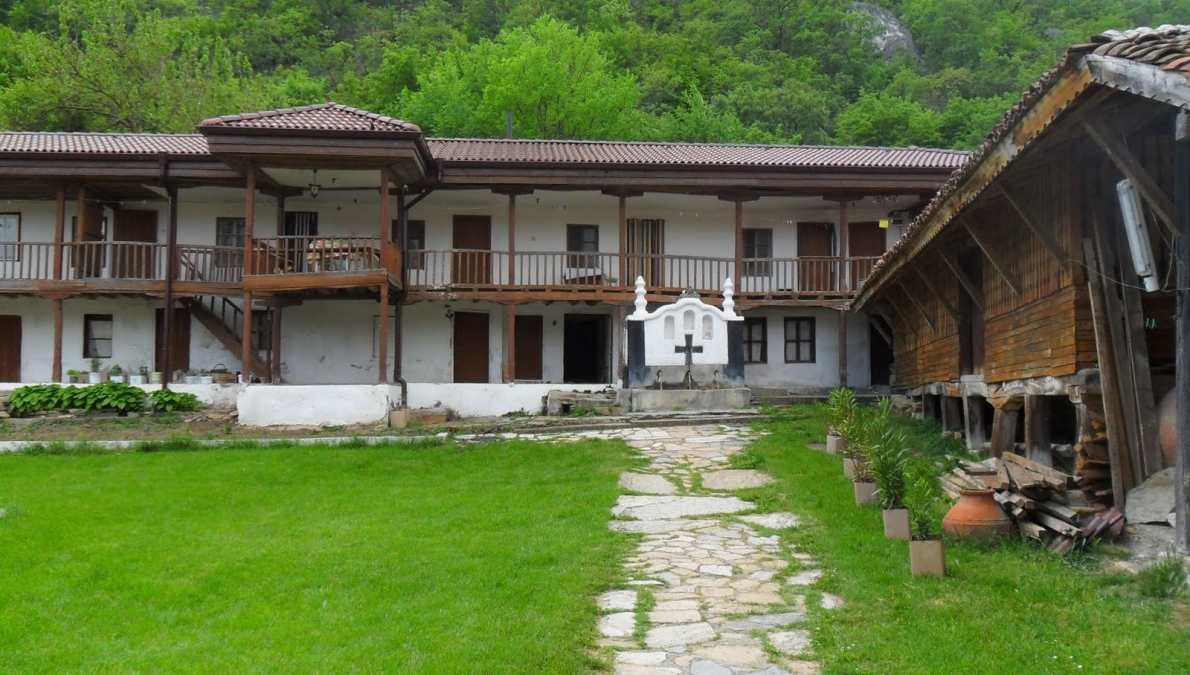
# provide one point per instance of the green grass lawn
(397, 559)
(1011, 608)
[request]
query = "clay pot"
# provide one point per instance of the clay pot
(927, 557)
(865, 494)
(976, 516)
(896, 524)
(1167, 417)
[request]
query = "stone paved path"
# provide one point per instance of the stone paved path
(722, 599)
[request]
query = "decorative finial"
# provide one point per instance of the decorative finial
(689, 292)
(728, 292)
(640, 301)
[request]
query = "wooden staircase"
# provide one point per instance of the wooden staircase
(225, 320)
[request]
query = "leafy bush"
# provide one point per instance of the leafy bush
(921, 498)
(840, 411)
(107, 396)
(166, 400)
(887, 463)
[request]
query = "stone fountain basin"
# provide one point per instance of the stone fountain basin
(706, 400)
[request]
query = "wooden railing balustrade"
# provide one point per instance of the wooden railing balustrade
(26, 260)
(300, 254)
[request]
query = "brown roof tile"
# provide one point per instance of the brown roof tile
(321, 117)
(98, 143)
(1166, 47)
(706, 154)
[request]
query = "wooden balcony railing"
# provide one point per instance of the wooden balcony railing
(314, 255)
(129, 260)
(216, 264)
(26, 260)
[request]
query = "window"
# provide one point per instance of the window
(799, 340)
(10, 231)
(758, 249)
(415, 259)
(582, 239)
(229, 233)
(756, 340)
(97, 336)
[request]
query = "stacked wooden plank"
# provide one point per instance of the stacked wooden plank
(1092, 462)
(1040, 499)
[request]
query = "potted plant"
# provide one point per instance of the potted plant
(95, 377)
(191, 377)
(839, 412)
(865, 485)
(72, 376)
(927, 552)
(206, 378)
(116, 374)
(141, 377)
(888, 462)
(155, 377)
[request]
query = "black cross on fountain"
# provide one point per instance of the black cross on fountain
(689, 349)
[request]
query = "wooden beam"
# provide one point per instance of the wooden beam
(1182, 380)
(884, 334)
(171, 255)
(739, 243)
(511, 240)
(844, 245)
(973, 291)
(1051, 244)
(973, 418)
(249, 221)
(59, 234)
(246, 341)
(382, 351)
(249, 225)
(1118, 153)
(1037, 430)
(1003, 439)
(1117, 444)
(275, 351)
(950, 309)
(56, 371)
(509, 343)
(917, 303)
(843, 348)
(1137, 361)
(624, 280)
(993, 256)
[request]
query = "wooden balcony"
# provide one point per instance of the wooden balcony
(321, 265)
(474, 274)
(118, 267)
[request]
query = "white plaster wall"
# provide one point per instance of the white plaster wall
(482, 400)
(824, 372)
(265, 405)
(665, 331)
(332, 342)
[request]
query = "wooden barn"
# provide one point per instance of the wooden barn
(1014, 301)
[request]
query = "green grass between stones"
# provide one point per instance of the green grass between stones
(393, 559)
(1008, 608)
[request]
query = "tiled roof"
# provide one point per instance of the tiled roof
(706, 154)
(321, 117)
(98, 143)
(1166, 47)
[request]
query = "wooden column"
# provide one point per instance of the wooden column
(512, 239)
(739, 244)
(57, 367)
(80, 212)
(510, 343)
(843, 348)
(974, 420)
(382, 361)
(385, 208)
(249, 226)
(171, 253)
(1182, 383)
(844, 283)
(624, 280)
(280, 215)
(1003, 439)
(1037, 430)
(275, 351)
(59, 233)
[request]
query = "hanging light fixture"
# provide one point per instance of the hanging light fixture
(314, 187)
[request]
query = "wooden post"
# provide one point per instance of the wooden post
(275, 352)
(512, 239)
(59, 235)
(382, 362)
(739, 245)
(1037, 430)
(80, 212)
(57, 367)
(952, 413)
(1182, 383)
(385, 219)
(509, 343)
(249, 225)
(171, 250)
(843, 348)
(1003, 439)
(280, 215)
(624, 280)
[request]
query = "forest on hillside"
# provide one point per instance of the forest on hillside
(885, 72)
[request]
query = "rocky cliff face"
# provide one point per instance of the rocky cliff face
(891, 36)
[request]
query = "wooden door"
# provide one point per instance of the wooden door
(472, 265)
(471, 347)
(180, 351)
(864, 240)
(646, 248)
(528, 348)
(10, 348)
(134, 262)
(815, 248)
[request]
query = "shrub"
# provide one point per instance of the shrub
(921, 498)
(107, 396)
(173, 401)
(888, 461)
(1165, 578)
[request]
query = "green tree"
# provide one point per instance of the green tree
(879, 119)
